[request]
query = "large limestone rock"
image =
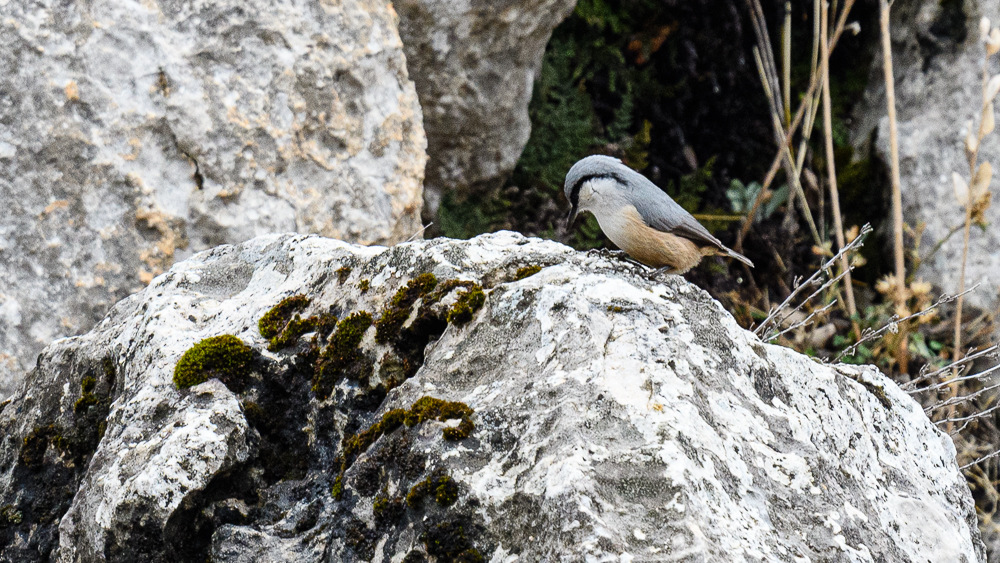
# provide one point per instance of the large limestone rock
(938, 60)
(135, 133)
(592, 415)
(474, 63)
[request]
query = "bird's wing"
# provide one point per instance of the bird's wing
(662, 213)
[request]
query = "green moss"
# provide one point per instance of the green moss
(447, 541)
(425, 408)
(224, 357)
(254, 413)
(34, 446)
(430, 408)
(526, 271)
(273, 321)
(338, 487)
(469, 301)
(398, 309)
(292, 331)
(326, 323)
(87, 396)
(387, 511)
(9, 514)
(364, 286)
(445, 491)
(85, 401)
(342, 357)
(442, 488)
(343, 272)
(615, 309)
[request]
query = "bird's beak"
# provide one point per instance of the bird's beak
(572, 217)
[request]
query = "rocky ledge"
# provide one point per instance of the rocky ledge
(296, 398)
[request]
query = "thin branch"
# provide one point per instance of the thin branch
(975, 416)
(980, 460)
(838, 223)
(893, 325)
(931, 375)
(937, 246)
(813, 279)
(968, 397)
(804, 321)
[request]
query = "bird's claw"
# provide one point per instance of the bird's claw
(655, 274)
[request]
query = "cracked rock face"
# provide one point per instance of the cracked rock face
(579, 413)
(938, 65)
(474, 63)
(133, 134)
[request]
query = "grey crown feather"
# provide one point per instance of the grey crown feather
(655, 207)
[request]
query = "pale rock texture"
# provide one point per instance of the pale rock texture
(938, 64)
(615, 419)
(474, 63)
(134, 133)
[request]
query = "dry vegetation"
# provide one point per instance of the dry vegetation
(903, 327)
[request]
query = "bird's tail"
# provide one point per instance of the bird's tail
(738, 256)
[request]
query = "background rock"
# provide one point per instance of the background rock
(613, 418)
(132, 134)
(938, 64)
(474, 64)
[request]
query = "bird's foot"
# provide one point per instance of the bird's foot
(655, 274)
(606, 253)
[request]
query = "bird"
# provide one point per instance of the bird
(639, 217)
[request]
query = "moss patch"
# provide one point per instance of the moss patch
(342, 273)
(34, 446)
(292, 331)
(398, 308)
(364, 286)
(442, 488)
(448, 541)
(526, 271)
(430, 408)
(343, 357)
(425, 408)
(9, 514)
(224, 357)
(274, 321)
(469, 302)
(387, 511)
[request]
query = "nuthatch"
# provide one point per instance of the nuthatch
(639, 217)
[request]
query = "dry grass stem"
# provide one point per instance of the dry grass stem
(869, 335)
(967, 358)
(808, 102)
(789, 162)
(838, 223)
(773, 317)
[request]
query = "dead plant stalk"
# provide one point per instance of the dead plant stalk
(902, 356)
(838, 223)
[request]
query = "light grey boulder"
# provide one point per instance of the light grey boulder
(938, 90)
(474, 64)
(133, 134)
(588, 414)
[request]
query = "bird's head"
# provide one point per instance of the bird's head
(592, 181)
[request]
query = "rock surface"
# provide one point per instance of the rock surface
(595, 415)
(938, 64)
(133, 134)
(474, 64)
